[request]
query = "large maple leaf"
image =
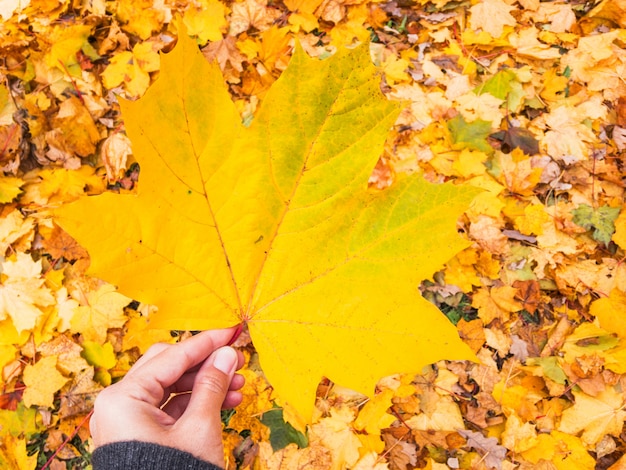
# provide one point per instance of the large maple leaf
(274, 225)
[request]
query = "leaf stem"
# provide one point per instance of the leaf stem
(236, 334)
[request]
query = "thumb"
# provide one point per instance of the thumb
(212, 383)
(201, 424)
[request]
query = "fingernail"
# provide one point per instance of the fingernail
(225, 360)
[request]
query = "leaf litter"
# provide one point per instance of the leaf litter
(538, 369)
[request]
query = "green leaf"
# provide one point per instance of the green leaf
(102, 357)
(471, 135)
(21, 422)
(551, 368)
(281, 433)
(499, 85)
(601, 219)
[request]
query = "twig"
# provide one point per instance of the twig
(68, 439)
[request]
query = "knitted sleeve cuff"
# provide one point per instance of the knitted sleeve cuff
(131, 455)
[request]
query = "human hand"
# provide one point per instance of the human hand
(152, 402)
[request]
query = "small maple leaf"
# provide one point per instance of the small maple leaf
(42, 381)
(274, 226)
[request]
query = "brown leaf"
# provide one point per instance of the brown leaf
(472, 333)
(528, 293)
(61, 245)
(10, 139)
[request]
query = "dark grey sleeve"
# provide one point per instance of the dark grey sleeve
(135, 455)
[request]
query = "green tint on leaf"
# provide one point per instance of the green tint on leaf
(21, 422)
(499, 85)
(506, 86)
(102, 357)
(281, 433)
(551, 368)
(274, 225)
(601, 220)
(472, 135)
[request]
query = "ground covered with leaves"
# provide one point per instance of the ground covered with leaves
(523, 99)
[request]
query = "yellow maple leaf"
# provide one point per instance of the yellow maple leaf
(42, 381)
(251, 13)
(373, 417)
(491, 16)
(67, 352)
(336, 434)
(303, 6)
(619, 236)
(293, 458)
(66, 41)
(534, 219)
(206, 20)
(527, 44)
(79, 132)
(609, 312)
(103, 309)
(13, 227)
(55, 185)
(568, 137)
(275, 225)
(517, 399)
(459, 270)
(614, 10)
(132, 69)
(142, 17)
(10, 188)
(23, 293)
(563, 450)
(519, 435)
(15, 455)
(518, 173)
(496, 302)
(470, 163)
(595, 416)
(584, 60)
(138, 334)
(256, 401)
(444, 415)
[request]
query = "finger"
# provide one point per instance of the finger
(176, 403)
(155, 376)
(232, 400)
(149, 354)
(212, 384)
(237, 383)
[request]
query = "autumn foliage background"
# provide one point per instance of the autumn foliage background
(520, 98)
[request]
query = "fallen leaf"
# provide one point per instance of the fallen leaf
(562, 450)
(336, 434)
(22, 293)
(115, 151)
(10, 187)
(286, 218)
(60, 245)
(293, 458)
(488, 447)
(609, 310)
(374, 417)
(42, 381)
(471, 135)
(206, 20)
(491, 16)
(103, 309)
(601, 219)
(594, 416)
